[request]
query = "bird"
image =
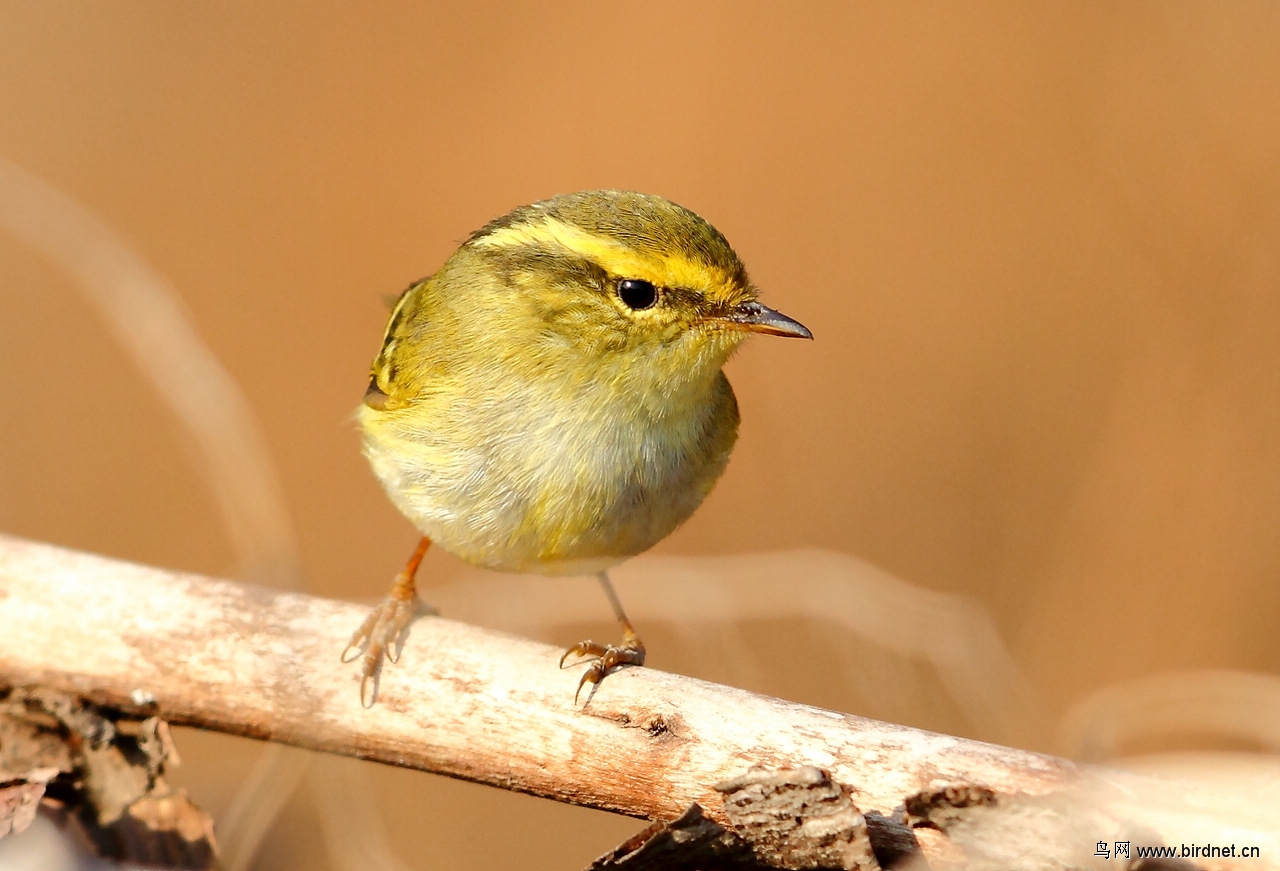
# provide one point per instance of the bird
(552, 400)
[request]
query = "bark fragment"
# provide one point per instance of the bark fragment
(103, 770)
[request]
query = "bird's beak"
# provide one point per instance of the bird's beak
(756, 318)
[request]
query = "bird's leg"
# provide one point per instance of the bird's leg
(606, 657)
(383, 632)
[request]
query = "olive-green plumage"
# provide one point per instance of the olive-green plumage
(552, 400)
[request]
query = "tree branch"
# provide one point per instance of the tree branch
(463, 701)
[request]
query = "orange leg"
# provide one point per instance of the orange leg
(604, 658)
(383, 632)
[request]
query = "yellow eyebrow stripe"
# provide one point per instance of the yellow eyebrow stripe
(672, 270)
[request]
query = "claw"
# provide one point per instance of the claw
(591, 649)
(604, 658)
(380, 636)
(361, 637)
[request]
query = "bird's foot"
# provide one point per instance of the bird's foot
(604, 658)
(382, 636)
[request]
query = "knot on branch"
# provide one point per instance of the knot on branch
(792, 818)
(798, 818)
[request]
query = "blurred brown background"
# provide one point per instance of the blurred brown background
(1038, 245)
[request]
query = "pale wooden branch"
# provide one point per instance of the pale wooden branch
(463, 701)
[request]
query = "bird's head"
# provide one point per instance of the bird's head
(626, 278)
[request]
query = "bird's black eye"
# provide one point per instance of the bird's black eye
(637, 293)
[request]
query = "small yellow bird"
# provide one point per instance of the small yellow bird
(552, 399)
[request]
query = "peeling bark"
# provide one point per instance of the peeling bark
(104, 771)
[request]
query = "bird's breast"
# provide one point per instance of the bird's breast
(552, 478)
